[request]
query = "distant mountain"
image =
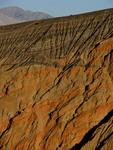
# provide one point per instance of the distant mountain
(18, 15)
(5, 20)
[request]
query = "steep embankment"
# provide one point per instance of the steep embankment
(56, 83)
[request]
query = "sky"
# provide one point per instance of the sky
(59, 7)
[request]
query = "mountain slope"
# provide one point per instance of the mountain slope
(56, 83)
(23, 15)
(5, 20)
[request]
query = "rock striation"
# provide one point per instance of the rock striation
(56, 83)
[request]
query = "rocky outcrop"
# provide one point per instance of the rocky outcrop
(56, 83)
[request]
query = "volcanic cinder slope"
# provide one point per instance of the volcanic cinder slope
(56, 83)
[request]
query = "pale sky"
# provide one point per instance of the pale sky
(59, 7)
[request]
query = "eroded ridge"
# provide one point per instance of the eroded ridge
(42, 42)
(56, 84)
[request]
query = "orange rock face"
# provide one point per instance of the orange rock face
(57, 103)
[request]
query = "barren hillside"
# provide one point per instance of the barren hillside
(56, 83)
